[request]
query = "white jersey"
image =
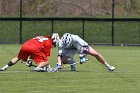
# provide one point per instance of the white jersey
(75, 46)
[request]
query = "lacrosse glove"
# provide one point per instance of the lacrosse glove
(82, 58)
(57, 68)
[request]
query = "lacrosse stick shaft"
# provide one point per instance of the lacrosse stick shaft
(24, 63)
(73, 63)
(28, 64)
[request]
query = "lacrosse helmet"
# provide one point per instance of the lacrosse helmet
(55, 37)
(66, 39)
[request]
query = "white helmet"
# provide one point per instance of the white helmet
(66, 39)
(55, 37)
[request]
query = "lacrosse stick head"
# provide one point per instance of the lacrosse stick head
(55, 37)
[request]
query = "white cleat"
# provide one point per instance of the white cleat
(38, 69)
(111, 68)
(2, 69)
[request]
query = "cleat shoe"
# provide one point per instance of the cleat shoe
(38, 69)
(2, 69)
(111, 68)
(49, 70)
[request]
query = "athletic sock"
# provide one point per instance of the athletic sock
(8, 65)
(106, 64)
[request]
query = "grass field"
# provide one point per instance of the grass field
(90, 77)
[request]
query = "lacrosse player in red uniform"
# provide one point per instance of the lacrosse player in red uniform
(38, 48)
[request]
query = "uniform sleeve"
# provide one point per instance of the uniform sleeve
(60, 52)
(60, 48)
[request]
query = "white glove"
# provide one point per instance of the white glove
(57, 68)
(49, 69)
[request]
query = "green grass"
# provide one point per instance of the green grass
(90, 77)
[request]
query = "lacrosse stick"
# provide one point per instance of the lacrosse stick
(74, 64)
(28, 64)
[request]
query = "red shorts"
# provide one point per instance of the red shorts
(36, 54)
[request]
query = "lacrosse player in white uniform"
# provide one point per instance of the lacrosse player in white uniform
(71, 44)
(65, 56)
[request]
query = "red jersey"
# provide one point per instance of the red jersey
(38, 48)
(43, 43)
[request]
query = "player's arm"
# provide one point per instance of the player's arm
(59, 59)
(60, 51)
(58, 66)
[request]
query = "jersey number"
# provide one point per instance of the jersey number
(40, 38)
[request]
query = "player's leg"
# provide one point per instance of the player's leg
(10, 63)
(42, 62)
(100, 58)
(41, 66)
(71, 62)
(68, 60)
(22, 55)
